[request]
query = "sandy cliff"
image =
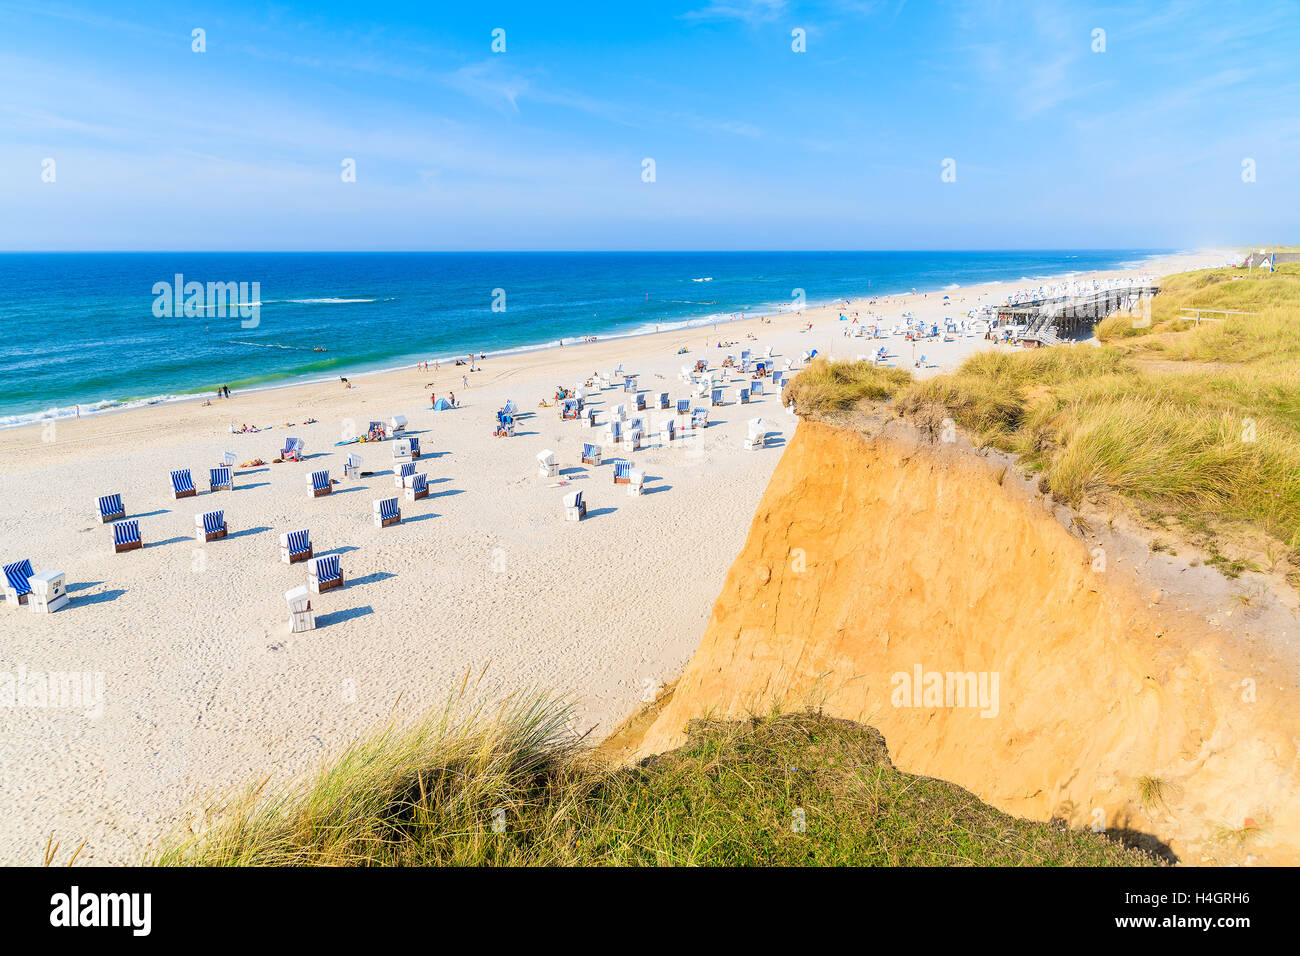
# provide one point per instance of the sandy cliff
(874, 556)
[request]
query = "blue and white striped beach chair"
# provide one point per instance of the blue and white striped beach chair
(755, 388)
(219, 479)
(110, 508)
(319, 482)
(717, 397)
(415, 448)
(639, 404)
(575, 509)
(622, 472)
(228, 460)
(126, 536)
(742, 394)
(591, 416)
(293, 449)
(352, 467)
(18, 585)
(295, 546)
(683, 406)
(324, 574)
(591, 454)
(183, 484)
(417, 487)
(667, 431)
(663, 399)
(404, 471)
(387, 512)
(402, 450)
(699, 418)
(614, 432)
(210, 526)
(629, 383)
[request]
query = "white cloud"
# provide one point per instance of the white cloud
(747, 11)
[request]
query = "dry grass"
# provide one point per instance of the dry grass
(826, 385)
(1206, 435)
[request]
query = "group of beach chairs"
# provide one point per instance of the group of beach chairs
(627, 431)
(323, 573)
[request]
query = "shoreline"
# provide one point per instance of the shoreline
(692, 323)
(203, 684)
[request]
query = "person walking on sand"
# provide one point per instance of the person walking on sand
(464, 381)
(452, 399)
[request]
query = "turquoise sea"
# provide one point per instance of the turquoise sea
(93, 329)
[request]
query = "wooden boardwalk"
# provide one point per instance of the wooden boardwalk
(1071, 314)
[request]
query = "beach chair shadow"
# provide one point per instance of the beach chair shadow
(343, 549)
(655, 489)
(250, 471)
(149, 514)
(82, 585)
(596, 513)
(159, 544)
(447, 494)
(523, 434)
(256, 484)
(372, 578)
(575, 470)
(343, 491)
(103, 597)
(338, 617)
(247, 531)
(424, 517)
(437, 481)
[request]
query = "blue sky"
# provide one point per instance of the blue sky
(755, 146)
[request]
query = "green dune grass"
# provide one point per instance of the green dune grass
(516, 788)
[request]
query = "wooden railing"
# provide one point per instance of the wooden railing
(1220, 312)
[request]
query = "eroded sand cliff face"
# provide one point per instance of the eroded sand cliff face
(871, 557)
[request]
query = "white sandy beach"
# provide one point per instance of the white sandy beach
(203, 684)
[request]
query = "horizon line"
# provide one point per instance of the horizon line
(472, 252)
